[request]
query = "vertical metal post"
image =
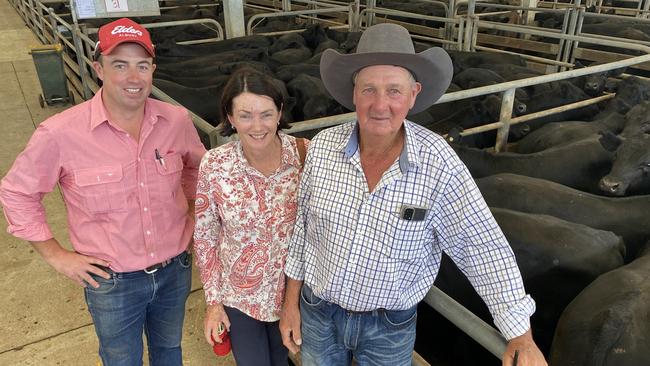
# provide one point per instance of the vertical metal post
(354, 18)
(78, 49)
(646, 9)
(449, 27)
(507, 101)
(286, 5)
(234, 14)
(370, 16)
(53, 23)
(469, 29)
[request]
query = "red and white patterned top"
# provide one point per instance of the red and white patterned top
(244, 221)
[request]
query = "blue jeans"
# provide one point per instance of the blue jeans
(331, 335)
(130, 302)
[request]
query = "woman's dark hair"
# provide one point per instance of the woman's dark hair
(247, 79)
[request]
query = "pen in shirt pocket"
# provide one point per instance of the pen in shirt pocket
(160, 159)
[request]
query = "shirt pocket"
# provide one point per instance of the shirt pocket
(170, 172)
(101, 188)
(408, 240)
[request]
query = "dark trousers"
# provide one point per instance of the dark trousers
(255, 342)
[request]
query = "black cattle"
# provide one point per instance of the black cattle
(631, 91)
(202, 101)
(288, 72)
(511, 72)
(312, 98)
(557, 259)
(290, 56)
(625, 216)
(464, 60)
(596, 84)
(608, 324)
(317, 39)
(637, 120)
(579, 165)
(561, 133)
(630, 173)
(170, 48)
(176, 63)
(554, 94)
(475, 77)
(467, 113)
(287, 41)
(194, 81)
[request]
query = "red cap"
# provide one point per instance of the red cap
(120, 31)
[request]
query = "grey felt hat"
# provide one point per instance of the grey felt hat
(387, 44)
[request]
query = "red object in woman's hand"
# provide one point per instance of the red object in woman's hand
(223, 348)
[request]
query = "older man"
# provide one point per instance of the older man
(127, 166)
(381, 198)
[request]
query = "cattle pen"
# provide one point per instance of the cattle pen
(460, 27)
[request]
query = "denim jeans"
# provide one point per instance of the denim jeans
(331, 335)
(130, 302)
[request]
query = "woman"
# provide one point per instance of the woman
(245, 210)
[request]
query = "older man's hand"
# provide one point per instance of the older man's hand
(527, 351)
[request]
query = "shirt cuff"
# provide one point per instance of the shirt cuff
(32, 232)
(515, 320)
(212, 296)
(294, 269)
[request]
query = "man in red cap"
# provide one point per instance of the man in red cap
(127, 166)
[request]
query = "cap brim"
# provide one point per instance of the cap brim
(148, 49)
(432, 68)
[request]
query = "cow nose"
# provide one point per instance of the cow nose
(592, 86)
(521, 108)
(609, 186)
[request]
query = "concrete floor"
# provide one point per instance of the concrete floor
(43, 317)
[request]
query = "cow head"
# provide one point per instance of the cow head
(631, 163)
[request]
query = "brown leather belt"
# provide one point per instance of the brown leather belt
(153, 268)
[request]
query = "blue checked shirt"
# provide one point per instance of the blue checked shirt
(352, 248)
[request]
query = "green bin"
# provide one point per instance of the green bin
(48, 60)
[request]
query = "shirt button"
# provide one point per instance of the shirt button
(148, 232)
(146, 209)
(141, 184)
(127, 135)
(139, 159)
(151, 255)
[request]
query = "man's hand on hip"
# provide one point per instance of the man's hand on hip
(71, 264)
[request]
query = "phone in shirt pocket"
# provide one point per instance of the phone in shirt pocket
(413, 213)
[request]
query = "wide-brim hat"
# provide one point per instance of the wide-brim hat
(387, 44)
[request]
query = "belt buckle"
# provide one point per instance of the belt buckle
(155, 269)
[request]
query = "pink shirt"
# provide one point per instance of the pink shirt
(123, 205)
(243, 224)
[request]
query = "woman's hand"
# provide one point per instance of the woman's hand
(215, 321)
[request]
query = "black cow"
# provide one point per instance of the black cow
(557, 259)
(625, 216)
(561, 133)
(288, 72)
(631, 91)
(170, 48)
(202, 101)
(464, 60)
(579, 165)
(554, 94)
(312, 98)
(637, 120)
(608, 324)
(630, 171)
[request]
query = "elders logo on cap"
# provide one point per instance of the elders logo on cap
(120, 31)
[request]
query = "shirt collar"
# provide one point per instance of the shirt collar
(407, 157)
(99, 115)
(289, 157)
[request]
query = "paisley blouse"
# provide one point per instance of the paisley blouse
(243, 224)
